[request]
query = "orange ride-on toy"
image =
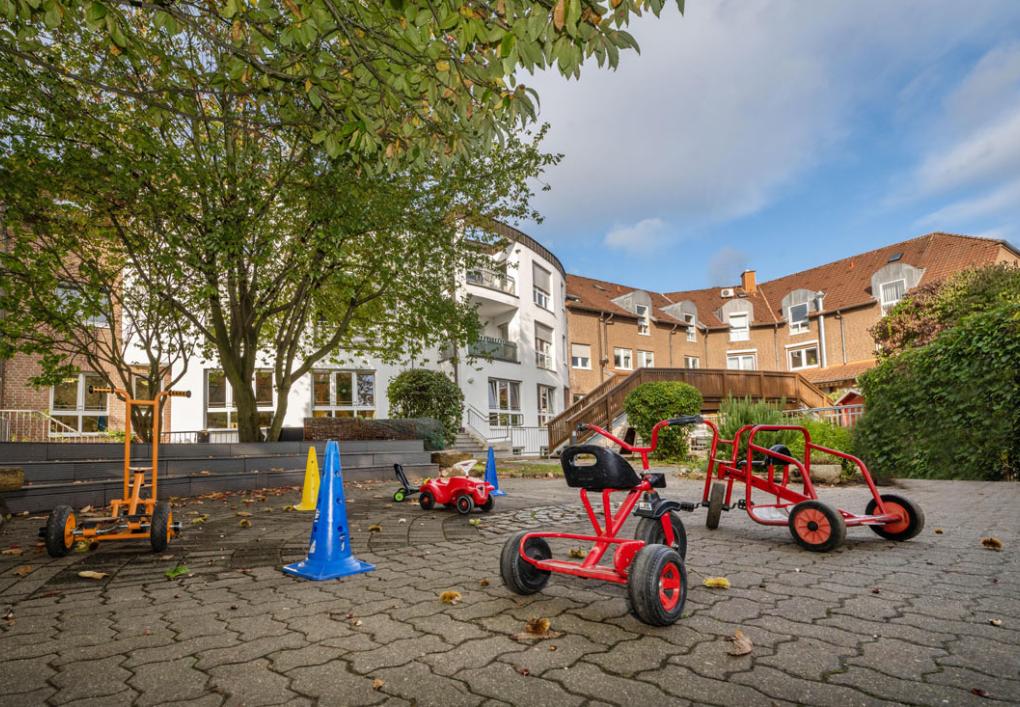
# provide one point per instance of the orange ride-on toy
(814, 525)
(132, 517)
(651, 565)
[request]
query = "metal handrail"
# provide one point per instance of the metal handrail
(39, 426)
(492, 279)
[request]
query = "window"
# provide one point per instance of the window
(645, 359)
(580, 356)
(79, 411)
(546, 404)
(71, 296)
(542, 287)
(622, 359)
(742, 361)
(343, 394)
(221, 411)
(505, 403)
(799, 318)
(692, 329)
(803, 357)
(644, 321)
(692, 362)
(544, 348)
(739, 330)
(892, 292)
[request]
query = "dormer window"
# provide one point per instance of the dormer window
(739, 327)
(891, 293)
(692, 331)
(644, 322)
(799, 318)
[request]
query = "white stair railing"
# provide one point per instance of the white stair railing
(35, 426)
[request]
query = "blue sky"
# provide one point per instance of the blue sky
(781, 134)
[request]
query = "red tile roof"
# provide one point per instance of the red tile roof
(837, 374)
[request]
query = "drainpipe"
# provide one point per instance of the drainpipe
(821, 328)
(669, 341)
(775, 344)
(842, 334)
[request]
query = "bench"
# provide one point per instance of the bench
(11, 479)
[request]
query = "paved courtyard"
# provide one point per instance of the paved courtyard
(933, 621)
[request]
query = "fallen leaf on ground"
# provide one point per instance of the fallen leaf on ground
(245, 523)
(402, 520)
(475, 522)
(166, 557)
(176, 572)
(9, 614)
(992, 543)
(552, 648)
(979, 692)
(86, 509)
(450, 597)
(717, 582)
(375, 528)
(24, 570)
(538, 625)
(483, 583)
(876, 590)
(89, 574)
(536, 629)
(243, 514)
(996, 622)
(577, 552)
(378, 683)
(741, 643)
(14, 551)
(81, 546)
(200, 519)
(938, 531)
(522, 670)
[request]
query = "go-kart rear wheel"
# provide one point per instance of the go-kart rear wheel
(651, 531)
(60, 531)
(161, 526)
(490, 501)
(427, 501)
(816, 526)
(399, 495)
(464, 504)
(657, 585)
(716, 496)
(520, 576)
(911, 517)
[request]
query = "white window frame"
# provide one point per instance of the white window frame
(645, 359)
(692, 328)
(580, 362)
(509, 416)
(742, 333)
(800, 326)
(96, 321)
(356, 408)
(540, 296)
(619, 353)
(549, 412)
(803, 347)
(544, 352)
(80, 411)
(229, 407)
(644, 326)
(887, 305)
(740, 355)
(688, 360)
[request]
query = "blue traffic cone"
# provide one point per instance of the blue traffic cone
(490, 474)
(329, 550)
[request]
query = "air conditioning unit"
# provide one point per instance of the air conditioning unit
(726, 292)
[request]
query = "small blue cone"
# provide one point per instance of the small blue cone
(490, 474)
(329, 550)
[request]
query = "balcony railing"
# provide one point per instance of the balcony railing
(492, 347)
(492, 280)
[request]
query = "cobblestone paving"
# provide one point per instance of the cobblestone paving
(876, 622)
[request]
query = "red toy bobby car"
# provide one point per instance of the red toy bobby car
(461, 492)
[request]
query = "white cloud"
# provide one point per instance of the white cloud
(957, 215)
(989, 152)
(640, 237)
(725, 266)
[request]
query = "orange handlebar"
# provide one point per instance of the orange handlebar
(178, 393)
(93, 389)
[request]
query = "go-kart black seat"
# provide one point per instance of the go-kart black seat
(608, 471)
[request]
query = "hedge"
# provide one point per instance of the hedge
(419, 392)
(651, 402)
(951, 409)
(358, 428)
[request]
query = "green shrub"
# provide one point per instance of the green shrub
(429, 430)
(651, 402)
(824, 434)
(951, 409)
(734, 413)
(423, 393)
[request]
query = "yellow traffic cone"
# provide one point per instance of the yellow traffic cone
(310, 491)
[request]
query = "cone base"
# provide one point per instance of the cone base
(318, 571)
(303, 507)
(497, 492)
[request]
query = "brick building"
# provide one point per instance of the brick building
(815, 321)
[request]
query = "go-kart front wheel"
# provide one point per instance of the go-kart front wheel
(716, 496)
(60, 531)
(816, 526)
(427, 501)
(520, 576)
(161, 526)
(464, 504)
(399, 495)
(651, 531)
(911, 517)
(657, 585)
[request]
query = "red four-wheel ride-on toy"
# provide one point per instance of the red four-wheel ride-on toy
(651, 564)
(461, 492)
(814, 525)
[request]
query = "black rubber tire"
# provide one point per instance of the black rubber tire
(56, 545)
(427, 501)
(490, 501)
(159, 528)
(519, 576)
(837, 526)
(399, 495)
(915, 517)
(643, 585)
(716, 496)
(464, 504)
(650, 530)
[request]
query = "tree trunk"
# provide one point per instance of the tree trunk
(282, 393)
(247, 414)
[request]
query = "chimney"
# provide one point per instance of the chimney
(747, 281)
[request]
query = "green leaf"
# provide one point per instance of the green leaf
(177, 571)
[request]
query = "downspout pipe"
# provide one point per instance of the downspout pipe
(821, 329)
(670, 342)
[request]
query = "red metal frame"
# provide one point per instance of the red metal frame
(606, 534)
(446, 491)
(732, 471)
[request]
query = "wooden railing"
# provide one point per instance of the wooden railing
(605, 403)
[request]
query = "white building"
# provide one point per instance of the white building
(514, 378)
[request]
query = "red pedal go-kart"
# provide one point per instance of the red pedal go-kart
(461, 492)
(651, 564)
(814, 525)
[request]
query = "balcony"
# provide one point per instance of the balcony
(494, 348)
(501, 282)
